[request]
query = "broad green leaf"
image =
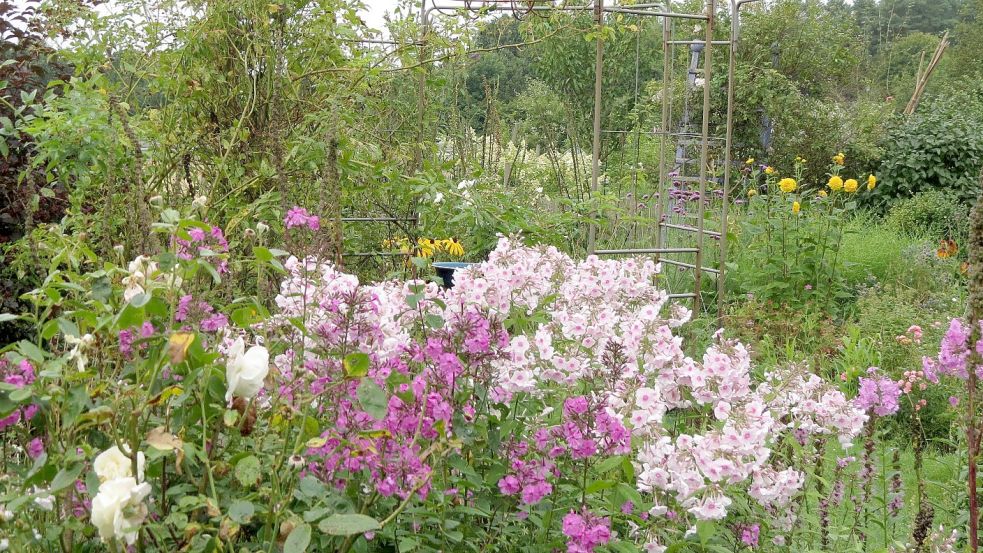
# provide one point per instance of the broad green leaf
(298, 540)
(372, 398)
(348, 524)
(356, 365)
(248, 470)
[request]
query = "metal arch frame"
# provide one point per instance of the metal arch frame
(651, 9)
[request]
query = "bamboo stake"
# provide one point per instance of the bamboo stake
(921, 80)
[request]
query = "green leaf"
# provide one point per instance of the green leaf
(20, 395)
(372, 398)
(298, 540)
(140, 300)
(262, 254)
(610, 463)
(66, 477)
(247, 470)
(356, 365)
(348, 524)
(705, 529)
(31, 351)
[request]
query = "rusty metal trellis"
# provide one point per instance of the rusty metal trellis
(685, 136)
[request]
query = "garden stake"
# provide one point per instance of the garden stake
(975, 315)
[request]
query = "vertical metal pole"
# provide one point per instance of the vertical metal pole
(596, 153)
(421, 100)
(728, 144)
(664, 137)
(704, 154)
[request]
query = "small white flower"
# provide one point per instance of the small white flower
(134, 285)
(438, 197)
(79, 345)
(44, 500)
(262, 228)
(199, 202)
(6, 515)
(245, 370)
(118, 509)
(699, 82)
(4, 544)
(113, 464)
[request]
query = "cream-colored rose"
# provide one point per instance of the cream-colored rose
(113, 464)
(118, 509)
(245, 371)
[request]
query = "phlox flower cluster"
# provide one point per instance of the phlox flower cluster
(878, 394)
(954, 352)
(299, 217)
(805, 403)
(201, 312)
(585, 531)
(390, 446)
(204, 242)
(598, 325)
(17, 375)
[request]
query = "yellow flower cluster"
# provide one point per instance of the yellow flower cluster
(769, 170)
(839, 159)
(836, 183)
(787, 185)
(426, 247)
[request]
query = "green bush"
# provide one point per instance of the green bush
(938, 148)
(933, 213)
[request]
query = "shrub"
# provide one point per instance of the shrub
(933, 213)
(939, 147)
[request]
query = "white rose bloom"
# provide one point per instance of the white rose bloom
(118, 509)
(4, 544)
(245, 372)
(113, 464)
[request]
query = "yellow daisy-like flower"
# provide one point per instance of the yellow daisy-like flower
(835, 183)
(871, 182)
(751, 192)
(787, 185)
(839, 159)
(796, 207)
(749, 161)
(769, 170)
(823, 194)
(453, 247)
(851, 185)
(425, 247)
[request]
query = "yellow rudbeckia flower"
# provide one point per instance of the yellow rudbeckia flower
(769, 170)
(851, 185)
(453, 247)
(871, 182)
(749, 161)
(796, 207)
(835, 183)
(839, 159)
(751, 192)
(823, 194)
(787, 185)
